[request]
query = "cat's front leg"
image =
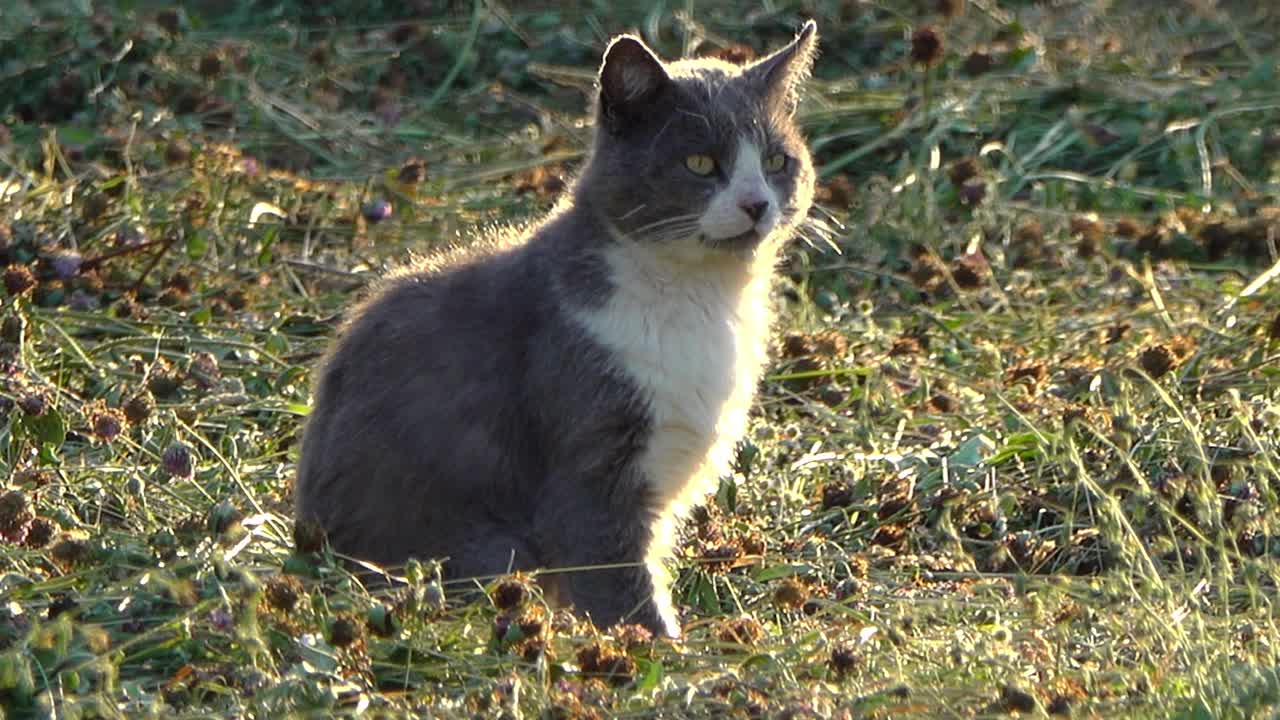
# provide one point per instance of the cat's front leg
(602, 540)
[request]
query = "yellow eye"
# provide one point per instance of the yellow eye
(775, 163)
(700, 164)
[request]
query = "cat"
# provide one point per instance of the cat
(558, 398)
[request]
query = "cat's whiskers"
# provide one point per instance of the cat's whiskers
(666, 228)
(810, 228)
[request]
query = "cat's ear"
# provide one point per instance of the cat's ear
(779, 75)
(631, 77)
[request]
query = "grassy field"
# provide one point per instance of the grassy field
(1018, 450)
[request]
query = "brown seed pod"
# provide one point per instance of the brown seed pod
(1157, 360)
(344, 631)
(16, 516)
(790, 594)
(744, 630)
(951, 8)
(177, 461)
(970, 271)
(978, 63)
(843, 659)
(961, 171)
(139, 408)
(837, 495)
(926, 46)
(510, 594)
(973, 192)
(605, 662)
(169, 20)
(738, 54)
(283, 592)
(105, 422)
(18, 280)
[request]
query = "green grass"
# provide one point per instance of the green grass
(1017, 452)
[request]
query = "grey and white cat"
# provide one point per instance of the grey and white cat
(557, 399)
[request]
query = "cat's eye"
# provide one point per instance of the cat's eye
(700, 164)
(775, 162)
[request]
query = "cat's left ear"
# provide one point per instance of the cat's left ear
(631, 79)
(779, 75)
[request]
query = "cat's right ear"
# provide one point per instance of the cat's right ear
(631, 78)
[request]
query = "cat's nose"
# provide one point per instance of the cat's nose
(755, 209)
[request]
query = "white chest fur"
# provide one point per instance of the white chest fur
(694, 338)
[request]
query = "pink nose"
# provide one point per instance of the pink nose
(754, 207)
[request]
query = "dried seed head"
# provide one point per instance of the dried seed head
(510, 594)
(837, 495)
(978, 63)
(950, 8)
(1031, 373)
(139, 408)
(413, 172)
(210, 65)
(11, 330)
(927, 274)
(16, 516)
(18, 280)
(177, 461)
(106, 423)
(943, 403)
(163, 380)
(94, 206)
(753, 543)
(843, 659)
(906, 345)
(283, 592)
(961, 171)
(204, 370)
(1031, 232)
(1015, 699)
(744, 630)
(1128, 228)
(170, 21)
(1157, 360)
(720, 557)
(70, 551)
(39, 533)
(404, 33)
(319, 55)
(599, 660)
(632, 636)
(971, 270)
(738, 54)
(180, 282)
(177, 152)
(1087, 226)
(926, 46)
(34, 404)
(790, 594)
(838, 190)
(344, 631)
(973, 192)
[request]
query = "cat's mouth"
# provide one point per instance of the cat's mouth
(741, 241)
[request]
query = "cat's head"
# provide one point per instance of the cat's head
(701, 153)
